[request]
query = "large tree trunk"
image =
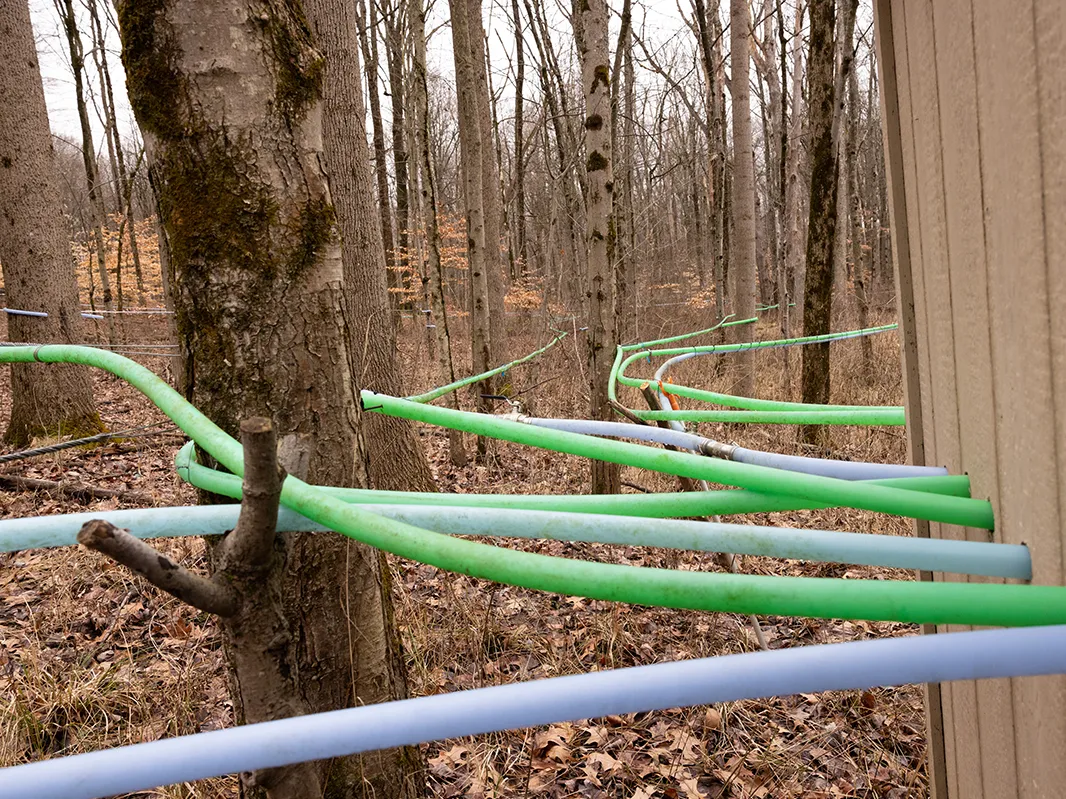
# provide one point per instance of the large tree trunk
(818, 294)
(38, 271)
(595, 80)
(742, 243)
(249, 228)
(397, 462)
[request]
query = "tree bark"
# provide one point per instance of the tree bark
(434, 273)
(818, 294)
(369, 39)
(595, 81)
(491, 199)
(397, 461)
(54, 400)
(230, 106)
(742, 243)
(472, 146)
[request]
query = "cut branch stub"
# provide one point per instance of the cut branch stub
(158, 569)
(251, 544)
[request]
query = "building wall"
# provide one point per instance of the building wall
(974, 114)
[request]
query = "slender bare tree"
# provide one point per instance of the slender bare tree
(596, 83)
(742, 244)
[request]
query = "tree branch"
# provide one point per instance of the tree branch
(158, 569)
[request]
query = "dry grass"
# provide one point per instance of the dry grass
(92, 658)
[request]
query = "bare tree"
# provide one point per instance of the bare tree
(76, 51)
(480, 102)
(473, 145)
(368, 38)
(53, 400)
(121, 176)
(595, 80)
(434, 272)
(742, 248)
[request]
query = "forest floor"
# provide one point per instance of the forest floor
(91, 657)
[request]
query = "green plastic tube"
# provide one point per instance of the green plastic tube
(622, 349)
(752, 345)
(937, 603)
(685, 336)
(668, 505)
(839, 414)
(827, 490)
(754, 404)
(433, 394)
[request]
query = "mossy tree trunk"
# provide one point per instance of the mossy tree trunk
(595, 81)
(228, 96)
(34, 250)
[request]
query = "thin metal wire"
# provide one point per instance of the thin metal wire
(133, 432)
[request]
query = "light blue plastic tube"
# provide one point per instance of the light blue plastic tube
(843, 470)
(827, 667)
(637, 432)
(903, 552)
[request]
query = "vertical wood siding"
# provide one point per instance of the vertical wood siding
(974, 114)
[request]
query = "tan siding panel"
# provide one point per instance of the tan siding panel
(938, 336)
(960, 147)
(909, 238)
(905, 290)
(1021, 350)
(1050, 30)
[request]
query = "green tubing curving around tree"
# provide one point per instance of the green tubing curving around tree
(894, 501)
(668, 505)
(917, 602)
(622, 349)
(433, 394)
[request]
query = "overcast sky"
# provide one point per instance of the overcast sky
(661, 21)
